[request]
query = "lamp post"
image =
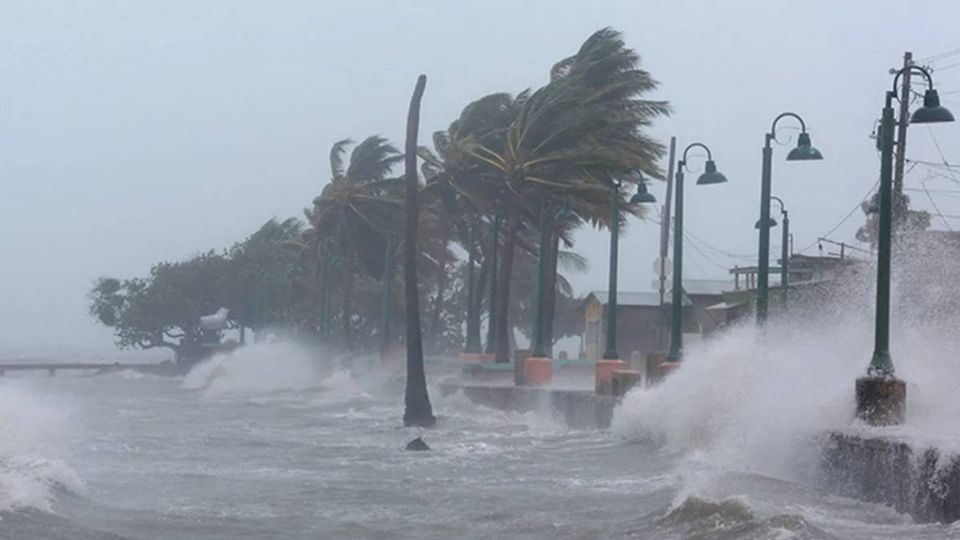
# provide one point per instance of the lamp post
(491, 347)
(804, 151)
(610, 361)
(784, 249)
(538, 368)
(881, 396)
(709, 176)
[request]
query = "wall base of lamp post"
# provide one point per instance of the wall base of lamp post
(668, 367)
(537, 371)
(881, 401)
(605, 369)
(652, 367)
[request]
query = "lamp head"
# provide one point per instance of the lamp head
(804, 150)
(643, 196)
(711, 175)
(932, 111)
(770, 223)
(566, 213)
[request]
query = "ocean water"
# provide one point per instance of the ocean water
(275, 443)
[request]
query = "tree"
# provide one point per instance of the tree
(162, 310)
(255, 280)
(355, 210)
(418, 411)
(263, 276)
(573, 136)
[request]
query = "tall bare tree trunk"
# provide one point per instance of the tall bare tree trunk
(418, 411)
(503, 294)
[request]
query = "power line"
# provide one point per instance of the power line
(942, 157)
(940, 56)
(935, 207)
(934, 163)
(939, 191)
(849, 214)
(944, 68)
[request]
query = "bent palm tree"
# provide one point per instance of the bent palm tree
(573, 136)
(355, 209)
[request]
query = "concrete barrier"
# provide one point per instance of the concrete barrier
(922, 481)
(578, 409)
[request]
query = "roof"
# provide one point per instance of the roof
(706, 287)
(639, 299)
(723, 306)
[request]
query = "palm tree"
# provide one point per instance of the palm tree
(354, 211)
(451, 173)
(572, 136)
(418, 411)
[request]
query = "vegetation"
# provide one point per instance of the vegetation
(507, 156)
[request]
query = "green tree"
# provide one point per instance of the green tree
(574, 136)
(162, 310)
(354, 211)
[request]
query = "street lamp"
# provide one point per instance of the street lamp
(710, 176)
(610, 361)
(804, 151)
(784, 249)
(538, 368)
(881, 396)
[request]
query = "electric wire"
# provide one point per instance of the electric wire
(845, 218)
(939, 56)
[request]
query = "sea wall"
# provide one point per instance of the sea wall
(578, 409)
(922, 481)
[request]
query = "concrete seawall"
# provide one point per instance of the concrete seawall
(922, 481)
(578, 409)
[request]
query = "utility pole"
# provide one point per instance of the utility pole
(899, 203)
(665, 222)
(665, 239)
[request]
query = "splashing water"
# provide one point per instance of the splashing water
(32, 464)
(270, 368)
(759, 402)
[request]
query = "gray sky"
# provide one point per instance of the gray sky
(132, 132)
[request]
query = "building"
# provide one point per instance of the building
(642, 324)
(811, 279)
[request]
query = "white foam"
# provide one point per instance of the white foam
(754, 402)
(268, 368)
(33, 455)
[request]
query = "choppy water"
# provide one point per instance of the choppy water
(268, 445)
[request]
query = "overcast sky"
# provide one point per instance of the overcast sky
(132, 132)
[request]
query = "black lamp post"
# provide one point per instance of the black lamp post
(784, 249)
(709, 176)
(881, 397)
(610, 361)
(804, 151)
